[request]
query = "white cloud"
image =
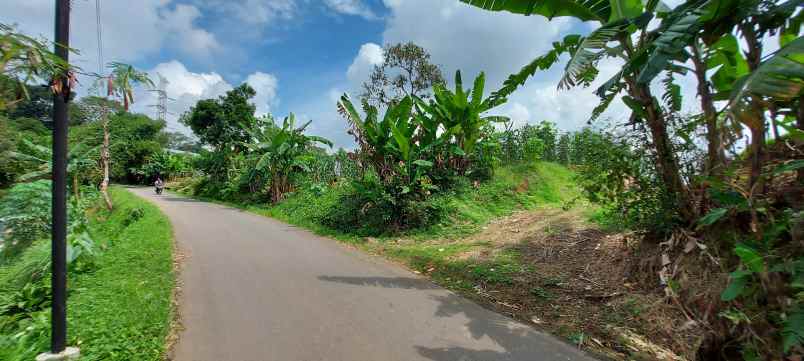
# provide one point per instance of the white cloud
(266, 86)
(518, 113)
(191, 40)
(368, 56)
(254, 12)
(130, 33)
(185, 88)
(459, 36)
(351, 7)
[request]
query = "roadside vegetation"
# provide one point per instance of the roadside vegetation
(121, 281)
(120, 265)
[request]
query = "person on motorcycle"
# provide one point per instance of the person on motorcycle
(159, 184)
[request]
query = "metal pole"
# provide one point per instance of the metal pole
(58, 256)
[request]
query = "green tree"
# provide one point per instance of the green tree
(92, 109)
(563, 149)
(81, 157)
(280, 151)
(405, 71)
(223, 123)
(120, 84)
(462, 115)
(133, 138)
(180, 141)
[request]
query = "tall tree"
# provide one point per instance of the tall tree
(223, 123)
(405, 71)
(120, 84)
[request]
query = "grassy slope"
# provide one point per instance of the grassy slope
(432, 250)
(522, 186)
(121, 309)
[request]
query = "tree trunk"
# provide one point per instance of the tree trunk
(105, 155)
(667, 164)
(757, 157)
(76, 190)
(754, 116)
(799, 143)
(716, 156)
(774, 126)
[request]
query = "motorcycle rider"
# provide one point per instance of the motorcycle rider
(159, 184)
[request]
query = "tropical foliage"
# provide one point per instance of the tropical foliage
(740, 85)
(280, 151)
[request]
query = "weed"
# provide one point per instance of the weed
(541, 293)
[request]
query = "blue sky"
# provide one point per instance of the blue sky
(300, 55)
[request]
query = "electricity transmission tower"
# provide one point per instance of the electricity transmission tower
(162, 99)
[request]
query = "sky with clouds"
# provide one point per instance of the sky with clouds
(301, 55)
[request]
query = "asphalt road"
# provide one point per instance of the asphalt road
(256, 289)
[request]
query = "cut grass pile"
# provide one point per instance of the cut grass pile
(120, 308)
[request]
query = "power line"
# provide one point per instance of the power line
(99, 30)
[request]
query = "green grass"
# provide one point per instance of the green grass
(120, 309)
(515, 187)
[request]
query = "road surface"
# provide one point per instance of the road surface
(256, 289)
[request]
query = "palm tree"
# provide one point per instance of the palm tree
(280, 150)
(120, 83)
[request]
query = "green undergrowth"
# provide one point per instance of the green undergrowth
(432, 250)
(466, 208)
(119, 307)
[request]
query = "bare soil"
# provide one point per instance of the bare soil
(583, 287)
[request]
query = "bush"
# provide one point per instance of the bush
(24, 216)
(625, 183)
(369, 209)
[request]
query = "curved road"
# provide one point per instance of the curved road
(256, 289)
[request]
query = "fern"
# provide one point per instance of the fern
(793, 328)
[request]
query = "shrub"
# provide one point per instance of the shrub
(24, 216)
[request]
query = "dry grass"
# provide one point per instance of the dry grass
(581, 285)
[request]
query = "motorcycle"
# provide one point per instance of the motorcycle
(159, 190)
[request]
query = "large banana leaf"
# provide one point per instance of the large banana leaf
(586, 10)
(543, 62)
(589, 51)
(780, 77)
(677, 30)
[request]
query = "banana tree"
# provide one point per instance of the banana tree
(462, 114)
(778, 78)
(280, 151)
(119, 84)
(623, 33)
(705, 27)
(81, 157)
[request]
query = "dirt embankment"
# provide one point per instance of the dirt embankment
(581, 285)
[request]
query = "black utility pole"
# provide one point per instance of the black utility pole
(58, 256)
